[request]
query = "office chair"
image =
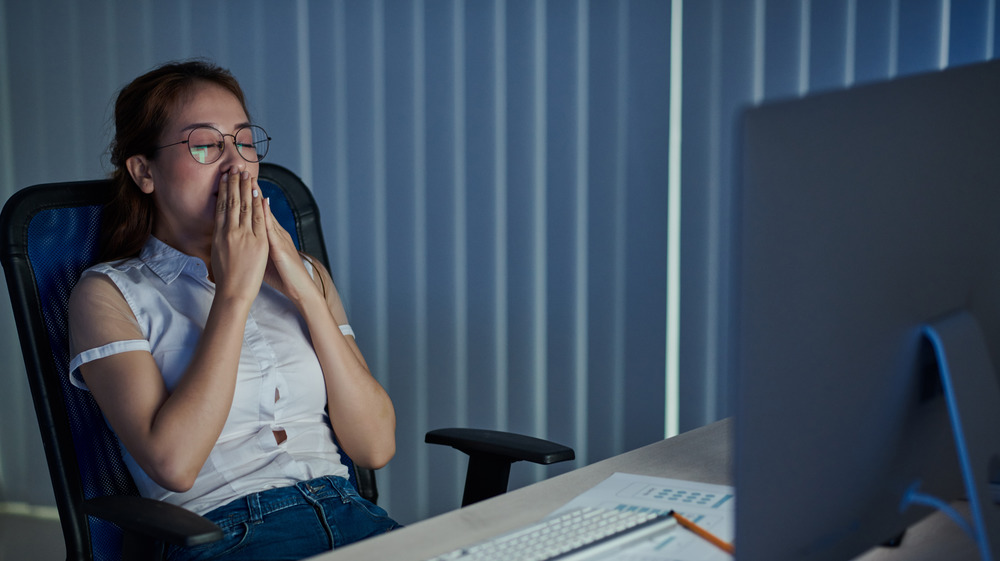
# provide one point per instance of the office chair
(50, 235)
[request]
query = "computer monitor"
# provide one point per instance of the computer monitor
(862, 217)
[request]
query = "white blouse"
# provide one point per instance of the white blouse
(279, 383)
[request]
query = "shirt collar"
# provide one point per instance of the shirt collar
(168, 263)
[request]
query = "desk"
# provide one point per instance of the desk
(703, 454)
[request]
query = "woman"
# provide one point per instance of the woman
(219, 355)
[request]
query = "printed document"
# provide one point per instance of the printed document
(709, 506)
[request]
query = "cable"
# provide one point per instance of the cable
(915, 497)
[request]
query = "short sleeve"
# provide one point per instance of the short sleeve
(101, 324)
(116, 347)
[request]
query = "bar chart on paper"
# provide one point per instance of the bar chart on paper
(709, 506)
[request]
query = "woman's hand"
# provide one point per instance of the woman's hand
(240, 245)
(285, 271)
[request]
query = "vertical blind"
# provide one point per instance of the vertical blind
(491, 176)
(494, 182)
(738, 53)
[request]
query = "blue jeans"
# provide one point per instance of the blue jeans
(290, 523)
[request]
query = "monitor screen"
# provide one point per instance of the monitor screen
(861, 216)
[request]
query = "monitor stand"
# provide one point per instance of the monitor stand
(973, 396)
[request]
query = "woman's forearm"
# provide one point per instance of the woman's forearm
(189, 423)
(361, 411)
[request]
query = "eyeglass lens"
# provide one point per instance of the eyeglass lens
(207, 144)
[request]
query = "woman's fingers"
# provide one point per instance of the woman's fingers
(222, 201)
(235, 198)
(230, 202)
(240, 248)
(240, 204)
(254, 204)
(259, 225)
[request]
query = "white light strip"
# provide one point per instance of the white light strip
(500, 208)
(805, 14)
(944, 44)
(991, 14)
(672, 401)
(759, 23)
(461, 244)
(850, 41)
(581, 322)
(539, 302)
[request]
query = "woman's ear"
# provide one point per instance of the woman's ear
(142, 174)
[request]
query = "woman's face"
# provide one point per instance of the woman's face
(183, 189)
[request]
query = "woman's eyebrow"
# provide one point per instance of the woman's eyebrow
(193, 126)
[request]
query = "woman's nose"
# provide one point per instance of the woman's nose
(231, 159)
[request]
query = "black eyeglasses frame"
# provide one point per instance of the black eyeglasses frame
(223, 143)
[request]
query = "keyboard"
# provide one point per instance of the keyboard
(578, 534)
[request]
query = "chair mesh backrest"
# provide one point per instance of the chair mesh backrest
(61, 243)
(56, 269)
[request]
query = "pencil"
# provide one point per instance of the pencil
(703, 533)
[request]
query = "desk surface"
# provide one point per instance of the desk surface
(702, 455)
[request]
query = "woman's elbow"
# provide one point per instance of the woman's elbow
(178, 485)
(175, 483)
(173, 476)
(377, 458)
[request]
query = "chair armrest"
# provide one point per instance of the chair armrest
(490, 455)
(512, 446)
(154, 519)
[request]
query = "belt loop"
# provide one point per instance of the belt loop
(341, 487)
(253, 508)
(330, 482)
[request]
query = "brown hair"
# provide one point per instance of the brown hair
(141, 113)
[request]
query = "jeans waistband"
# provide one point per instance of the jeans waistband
(255, 506)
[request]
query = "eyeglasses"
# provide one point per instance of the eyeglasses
(206, 144)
